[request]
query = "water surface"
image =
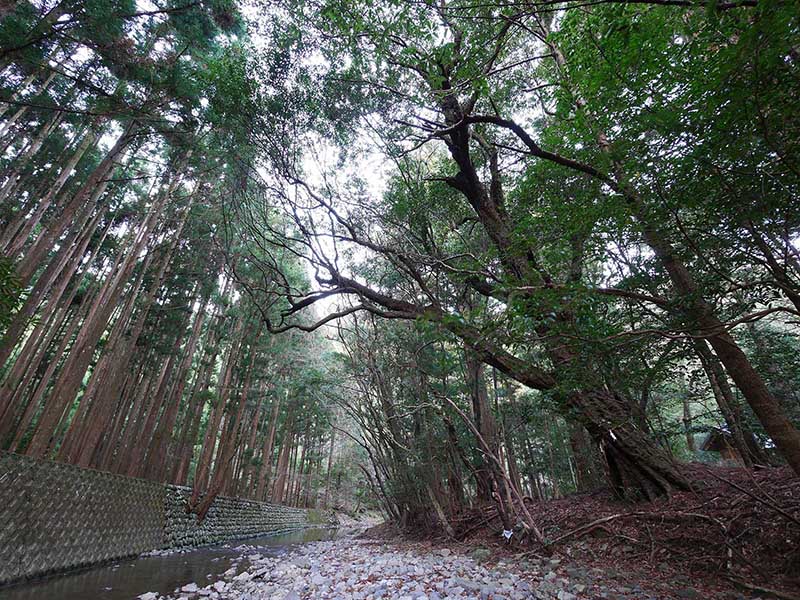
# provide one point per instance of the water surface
(127, 579)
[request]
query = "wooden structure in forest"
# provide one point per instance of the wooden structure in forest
(719, 440)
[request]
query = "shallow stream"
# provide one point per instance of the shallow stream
(127, 579)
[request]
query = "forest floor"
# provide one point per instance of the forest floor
(737, 534)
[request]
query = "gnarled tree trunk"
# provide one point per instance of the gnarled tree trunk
(637, 467)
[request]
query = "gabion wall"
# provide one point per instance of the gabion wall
(227, 518)
(55, 517)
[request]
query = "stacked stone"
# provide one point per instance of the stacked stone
(227, 519)
(56, 517)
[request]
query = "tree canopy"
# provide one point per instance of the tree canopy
(419, 255)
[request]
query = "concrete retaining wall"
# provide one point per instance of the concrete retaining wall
(55, 517)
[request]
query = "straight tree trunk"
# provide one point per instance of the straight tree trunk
(13, 390)
(228, 444)
(455, 483)
(4, 107)
(138, 451)
(159, 458)
(68, 252)
(191, 424)
(15, 176)
(484, 421)
(768, 410)
(88, 424)
(10, 121)
(72, 210)
(687, 421)
(744, 439)
(329, 469)
(583, 454)
(41, 388)
(80, 356)
(106, 456)
(213, 427)
(279, 489)
(23, 360)
(266, 452)
(245, 479)
(14, 246)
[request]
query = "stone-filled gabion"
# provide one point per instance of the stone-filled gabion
(228, 518)
(56, 517)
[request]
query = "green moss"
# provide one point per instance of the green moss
(317, 516)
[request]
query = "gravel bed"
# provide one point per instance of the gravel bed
(352, 569)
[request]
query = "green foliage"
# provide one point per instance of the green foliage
(10, 291)
(17, 30)
(535, 249)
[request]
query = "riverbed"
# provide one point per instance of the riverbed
(127, 579)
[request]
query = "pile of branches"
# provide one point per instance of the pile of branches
(740, 525)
